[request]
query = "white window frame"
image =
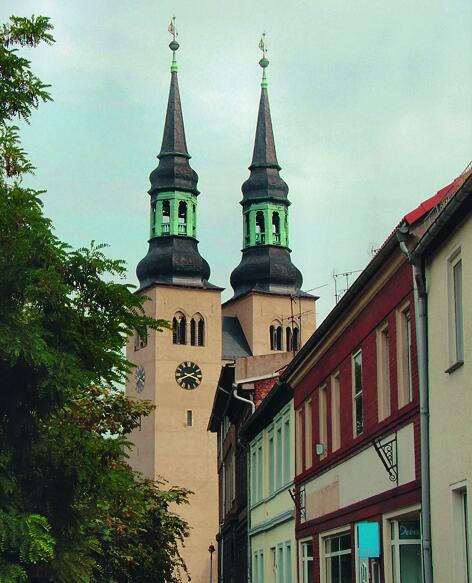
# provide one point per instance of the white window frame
(404, 354)
(303, 562)
(456, 335)
(383, 372)
(335, 411)
(323, 418)
(345, 529)
(299, 440)
(462, 570)
(308, 429)
(357, 395)
(402, 514)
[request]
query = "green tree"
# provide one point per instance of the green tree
(71, 509)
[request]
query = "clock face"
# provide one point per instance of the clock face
(140, 376)
(188, 375)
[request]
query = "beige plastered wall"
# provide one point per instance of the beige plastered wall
(450, 401)
(257, 311)
(165, 446)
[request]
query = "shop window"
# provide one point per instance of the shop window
(307, 574)
(406, 551)
(179, 329)
(338, 558)
(383, 372)
(358, 403)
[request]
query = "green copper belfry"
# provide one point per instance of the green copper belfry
(266, 263)
(173, 255)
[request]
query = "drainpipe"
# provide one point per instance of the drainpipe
(420, 296)
(248, 482)
(248, 401)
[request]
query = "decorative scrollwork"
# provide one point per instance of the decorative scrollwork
(387, 452)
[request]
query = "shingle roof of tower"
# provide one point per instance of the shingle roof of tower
(264, 181)
(174, 171)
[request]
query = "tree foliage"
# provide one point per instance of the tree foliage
(71, 509)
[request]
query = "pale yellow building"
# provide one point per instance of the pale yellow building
(446, 253)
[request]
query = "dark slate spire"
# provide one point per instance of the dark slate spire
(266, 265)
(264, 181)
(173, 257)
(174, 171)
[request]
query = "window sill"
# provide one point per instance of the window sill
(454, 367)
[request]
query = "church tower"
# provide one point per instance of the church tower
(275, 315)
(177, 370)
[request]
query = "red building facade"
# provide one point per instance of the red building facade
(357, 433)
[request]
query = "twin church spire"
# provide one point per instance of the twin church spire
(173, 257)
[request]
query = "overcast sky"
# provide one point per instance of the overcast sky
(371, 107)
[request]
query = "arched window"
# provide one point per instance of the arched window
(182, 218)
(296, 338)
(165, 217)
(276, 227)
(247, 231)
(197, 330)
(279, 337)
(153, 218)
(276, 336)
(272, 338)
(288, 339)
(201, 332)
(260, 228)
(179, 329)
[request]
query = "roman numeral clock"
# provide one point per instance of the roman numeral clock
(188, 375)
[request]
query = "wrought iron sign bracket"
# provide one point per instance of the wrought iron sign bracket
(299, 502)
(387, 452)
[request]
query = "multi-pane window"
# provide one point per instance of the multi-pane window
(257, 470)
(279, 452)
(338, 558)
(358, 404)
(404, 350)
(335, 413)
(406, 551)
(308, 435)
(306, 562)
(456, 322)
(299, 441)
(383, 372)
(258, 567)
(271, 447)
(323, 419)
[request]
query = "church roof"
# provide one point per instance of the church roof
(234, 341)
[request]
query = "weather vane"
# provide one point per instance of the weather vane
(262, 45)
(173, 45)
(172, 29)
